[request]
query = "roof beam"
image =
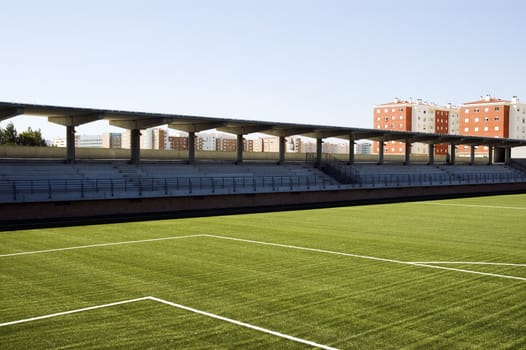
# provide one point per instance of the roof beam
(284, 131)
(195, 126)
(6, 113)
(242, 129)
(139, 124)
(75, 120)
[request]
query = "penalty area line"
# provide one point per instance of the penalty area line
(367, 257)
(72, 311)
(99, 245)
(179, 306)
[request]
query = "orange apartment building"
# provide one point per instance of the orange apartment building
(414, 116)
(487, 117)
(394, 115)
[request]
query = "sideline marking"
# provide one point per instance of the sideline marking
(370, 257)
(471, 205)
(412, 263)
(98, 245)
(468, 263)
(179, 306)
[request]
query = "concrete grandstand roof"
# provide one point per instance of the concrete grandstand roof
(73, 116)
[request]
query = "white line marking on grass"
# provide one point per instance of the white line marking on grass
(471, 205)
(72, 311)
(179, 306)
(421, 264)
(368, 257)
(468, 263)
(470, 271)
(243, 324)
(98, 245)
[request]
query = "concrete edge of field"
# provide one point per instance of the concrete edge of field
(16, 216)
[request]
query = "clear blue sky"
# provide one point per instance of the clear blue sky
(320, 62)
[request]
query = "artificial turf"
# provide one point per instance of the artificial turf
(341, 301)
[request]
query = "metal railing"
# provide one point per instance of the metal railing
(350, 175)
(49, 189)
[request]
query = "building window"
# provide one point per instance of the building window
(392, 109)
(377, 111)
(378, 118)
(497, 128)
(486, 119)
(476, 110)
(496, 118)
(497, 108)
(385, 110)
(486, 128)
(466, 129)
(401, 109)
(401, 117)
(466, 110)
(466, 120)
(476, 129)
(486, 109)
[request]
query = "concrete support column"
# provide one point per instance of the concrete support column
(135, 146)
(431, 155)
(407, 159)
(453, 153)
(472, 155)
(507, 156)
(351, 150)
(239, 149)
(191, 147)
(70, 144)
(490, 155)
(319, 143)
(282, 143)
(381, 146)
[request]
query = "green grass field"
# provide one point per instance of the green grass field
(393, 287)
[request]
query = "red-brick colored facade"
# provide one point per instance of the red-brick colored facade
(393, 116)
(488, 117)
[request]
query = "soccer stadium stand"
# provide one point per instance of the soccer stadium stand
(30, 181)
(52, 181)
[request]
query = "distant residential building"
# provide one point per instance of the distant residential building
(206, 142)
(394, 115)
(111, 140)
(270, 144)
(226, 144)
(417, 116)
(248, 145)
(178, 143)
(294, 144)
(257, 145)
(91, 141)
(59, 142)
(492, 117)
(364, 147)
